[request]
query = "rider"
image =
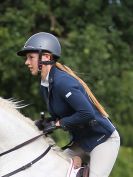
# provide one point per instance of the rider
(72, 105)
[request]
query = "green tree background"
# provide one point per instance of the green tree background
(96, 38)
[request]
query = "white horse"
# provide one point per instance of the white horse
(15, 129)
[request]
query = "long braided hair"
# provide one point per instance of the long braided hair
(87, 89)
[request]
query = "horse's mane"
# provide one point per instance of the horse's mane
(9, 104)
(12, 106)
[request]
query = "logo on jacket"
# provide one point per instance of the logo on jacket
(68, 94)
(101, 138)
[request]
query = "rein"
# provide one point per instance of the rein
(30, 163)
(22, 144)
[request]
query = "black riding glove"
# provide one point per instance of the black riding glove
(42, 122)
(39, 124)
(49, 127)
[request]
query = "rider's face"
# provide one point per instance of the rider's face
(32, 62)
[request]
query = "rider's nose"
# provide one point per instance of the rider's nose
(27, 62)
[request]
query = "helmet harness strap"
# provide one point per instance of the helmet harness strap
(40, 62)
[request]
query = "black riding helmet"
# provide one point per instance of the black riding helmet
(41, 42)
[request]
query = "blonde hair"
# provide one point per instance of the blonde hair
(87, 89)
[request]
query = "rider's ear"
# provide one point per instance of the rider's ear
(48, 56)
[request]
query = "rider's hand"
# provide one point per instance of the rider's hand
(39, 124)
(42, 122)
(49, 127)
(57, 124)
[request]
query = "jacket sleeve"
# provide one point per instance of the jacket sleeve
(71, 91)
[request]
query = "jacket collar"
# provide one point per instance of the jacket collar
(45, 82)
(51, 77)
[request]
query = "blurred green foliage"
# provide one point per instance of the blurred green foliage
(96, 39)
(124, 163)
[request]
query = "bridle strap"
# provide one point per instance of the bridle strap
(22, 144)
(28, 164)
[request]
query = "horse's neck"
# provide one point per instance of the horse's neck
(14, 127)
(15, 130)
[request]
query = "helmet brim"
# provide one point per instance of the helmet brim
(23, 52)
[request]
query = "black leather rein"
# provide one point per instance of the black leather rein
(30, 163)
